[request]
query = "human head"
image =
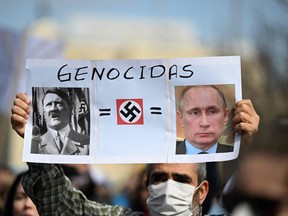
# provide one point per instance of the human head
(17, 202)
(6, 180)
(187, 173)
(203, 114)
(57, 108)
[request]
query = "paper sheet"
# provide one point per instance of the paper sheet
(127, 108)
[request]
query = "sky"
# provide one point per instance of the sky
(212, 20)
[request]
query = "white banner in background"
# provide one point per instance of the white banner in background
(123, 111)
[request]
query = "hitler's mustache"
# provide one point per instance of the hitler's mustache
(54, 113)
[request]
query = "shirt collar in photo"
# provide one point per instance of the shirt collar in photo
(63, 132)
(190, 149)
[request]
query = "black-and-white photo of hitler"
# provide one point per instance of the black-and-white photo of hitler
(61, 121)
(204, 119)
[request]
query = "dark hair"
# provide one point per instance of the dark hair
(201, 172)
(8, 207)
(61, 93)
(221, 94)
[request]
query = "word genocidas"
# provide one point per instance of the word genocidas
(66, 73)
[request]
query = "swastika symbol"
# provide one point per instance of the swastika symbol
(82, 107)
(130, 111)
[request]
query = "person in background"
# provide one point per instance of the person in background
(6, 179)
(18, 203)
(138, 197)
(260, 187)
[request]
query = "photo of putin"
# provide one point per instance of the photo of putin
(60, 121)
(203, 115)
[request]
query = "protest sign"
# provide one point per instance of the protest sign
(121, 111)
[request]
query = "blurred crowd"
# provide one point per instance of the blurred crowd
(258, 187)
(92, 183)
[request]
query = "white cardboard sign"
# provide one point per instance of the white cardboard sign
(126, 108)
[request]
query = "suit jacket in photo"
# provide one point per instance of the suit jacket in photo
(77, 144)
(221, 148)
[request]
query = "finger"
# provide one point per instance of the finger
(244, 101)
(23, 97)
(247, 128)
(245, 118)
(246, 123)
(17, 110)
(244, 106)
(21, 104)
(245, 112)
(242, 117)
(18, 120)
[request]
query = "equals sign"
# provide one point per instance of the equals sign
(104, 112)
(156, 110)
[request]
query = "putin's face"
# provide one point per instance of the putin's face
(203, 116)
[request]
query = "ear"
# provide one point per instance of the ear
(179, 116)
(226, 115)
(203, 191)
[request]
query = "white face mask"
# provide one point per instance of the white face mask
(171, 198)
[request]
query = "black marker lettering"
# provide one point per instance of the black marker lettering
(110, 72)
(96, 71)
(130, 73)
(152, 71)
(60, 75)
(190, 72)
(79, 74)
(125, 74)
(142, 72)
(171, 73)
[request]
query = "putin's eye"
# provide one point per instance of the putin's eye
(212, 111)
(193, 112)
